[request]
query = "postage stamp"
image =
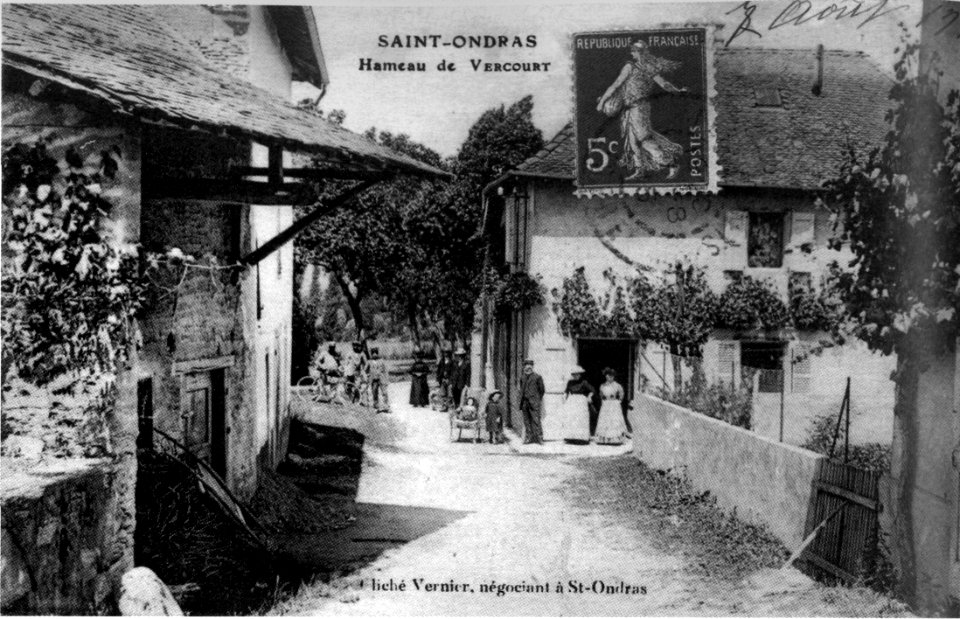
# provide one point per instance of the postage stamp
(643, 111)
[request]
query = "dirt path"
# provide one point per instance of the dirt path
(482, 516)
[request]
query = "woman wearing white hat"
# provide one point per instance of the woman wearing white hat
(576, 408)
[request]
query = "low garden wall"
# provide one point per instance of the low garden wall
(60, 548)
(764, 481)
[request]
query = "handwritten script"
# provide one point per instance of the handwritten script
(800, 12)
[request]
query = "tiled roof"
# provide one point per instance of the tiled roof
(125, 56)
(797, 146)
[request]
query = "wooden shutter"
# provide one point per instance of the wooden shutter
(735, 235)
(727, 363)
(801, 237)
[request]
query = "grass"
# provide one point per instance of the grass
(716, 544)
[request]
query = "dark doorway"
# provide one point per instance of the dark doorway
(145, 413)
(767, 359)
(595, 355)
(218, 446)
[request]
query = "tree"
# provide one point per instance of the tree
(366, 247)
(501, 139)
(898, 209)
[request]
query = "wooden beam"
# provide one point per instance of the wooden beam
(275, 165)
(241, 191)
(843, 493)
(823, 564)
(338, 173)
(285, 236)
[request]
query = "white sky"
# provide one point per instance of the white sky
(438, 108)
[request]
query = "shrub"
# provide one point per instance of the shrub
(68, 291)
(514, 292)
(865, 456)
(749, 304)
(719, 400)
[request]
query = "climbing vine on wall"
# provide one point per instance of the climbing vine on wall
(677, 308)
(513, 292)
(68, 292)
(750, 304)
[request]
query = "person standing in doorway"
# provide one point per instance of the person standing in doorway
(459, 375)
(531, 403)
(577, 408)
(611, 427)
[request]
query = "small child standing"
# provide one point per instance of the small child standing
(377, 373)
(494, 414)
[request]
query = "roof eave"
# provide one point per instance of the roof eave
(148, 114)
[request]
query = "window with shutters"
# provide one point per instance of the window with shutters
(735, 240)
(765, 240)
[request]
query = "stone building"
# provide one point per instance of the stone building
(782, 128)
(193, 105)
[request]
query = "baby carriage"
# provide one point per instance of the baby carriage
(460, 420)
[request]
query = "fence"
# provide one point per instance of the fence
(785, 397)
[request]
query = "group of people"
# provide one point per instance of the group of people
(350, 372)
(453, 375)
(578, 408)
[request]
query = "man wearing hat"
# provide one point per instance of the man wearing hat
(459, 374)
(531, 403)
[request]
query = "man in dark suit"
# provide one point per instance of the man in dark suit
(459, 375)
(531, 403)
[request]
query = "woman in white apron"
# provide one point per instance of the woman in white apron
(576, 408)
(611, 427)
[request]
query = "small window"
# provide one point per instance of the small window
(765, 240)
(768, 97)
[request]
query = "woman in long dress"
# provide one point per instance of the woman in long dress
(576, 408)
(644, 150)
(611, 428)
(419, 390)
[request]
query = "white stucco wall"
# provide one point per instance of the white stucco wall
(269, 334)
(619, 234)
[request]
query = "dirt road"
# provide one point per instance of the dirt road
(507, 530)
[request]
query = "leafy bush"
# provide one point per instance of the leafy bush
(578, 311)
(749, 304)
(68, 291)
(514, 292)
(810, 310)
(720, 401)
(680, 313)
(865, 456)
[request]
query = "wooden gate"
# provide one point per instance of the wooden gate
(846, 545)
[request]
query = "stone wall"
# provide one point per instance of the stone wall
(76, 568)
(195, 323)
(60, 551)
(765, 482)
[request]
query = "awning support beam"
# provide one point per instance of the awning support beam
(285, 236)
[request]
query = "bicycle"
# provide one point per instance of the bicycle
(325, 389)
